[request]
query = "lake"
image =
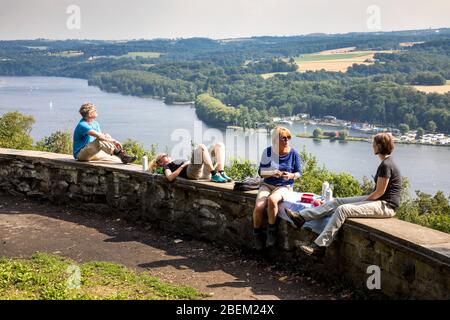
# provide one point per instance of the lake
(54, 103)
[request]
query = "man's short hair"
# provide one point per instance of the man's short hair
(385, 143)
(86, 108)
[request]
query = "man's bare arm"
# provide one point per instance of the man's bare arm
(105, 137)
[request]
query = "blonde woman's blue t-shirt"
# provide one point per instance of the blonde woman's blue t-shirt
(271, 161)
(81, 135)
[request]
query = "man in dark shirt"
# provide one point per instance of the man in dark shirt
(381, 203)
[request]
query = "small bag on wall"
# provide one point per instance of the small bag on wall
(247, 184)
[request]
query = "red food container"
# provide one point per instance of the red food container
(317, 203)
(307, 198)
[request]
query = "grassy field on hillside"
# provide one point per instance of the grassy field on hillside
(338, 60)
(435, 89)
(143, 54)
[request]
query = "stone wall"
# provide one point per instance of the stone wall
(414, 261)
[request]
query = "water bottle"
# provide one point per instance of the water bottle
(325, 187)
(328, 195)
(145, 163)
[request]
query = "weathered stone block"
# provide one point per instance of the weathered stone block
(86, 190)
(205, 203)
(23, 187)
(89, 180)
(205, 213)
(59, 187)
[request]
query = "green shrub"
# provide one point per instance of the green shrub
(241, 168)
(427, 210)
(135, 148)
(58, 142)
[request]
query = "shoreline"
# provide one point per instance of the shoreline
(368, 140)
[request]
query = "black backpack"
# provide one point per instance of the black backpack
(247, 184)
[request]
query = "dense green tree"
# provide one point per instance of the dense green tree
(428, 79)
(431, 126)
(404, 128)
(317, 133)
(343, 134)
(15, 130)
(420, 132)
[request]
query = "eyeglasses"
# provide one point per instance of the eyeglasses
(285, 139)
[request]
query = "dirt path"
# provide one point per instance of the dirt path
(28, 226)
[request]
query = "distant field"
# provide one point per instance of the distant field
(337, 56)
(434, 89)
(37, 47)
(143, 54)
(68, 54)
(338, 50)
(338, 60)
(409, 44)
(147, 65)
(271, 74)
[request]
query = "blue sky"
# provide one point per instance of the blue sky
(134, 19)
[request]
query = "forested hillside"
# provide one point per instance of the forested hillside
(251, 80)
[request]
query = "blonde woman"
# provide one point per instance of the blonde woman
(279, 166)
(201, 160)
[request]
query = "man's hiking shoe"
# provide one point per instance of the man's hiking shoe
(298, 220)
(125, 158)
(313, 250)
(218, 178)
(224, 175)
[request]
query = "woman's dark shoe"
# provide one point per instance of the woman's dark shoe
(313, 250)
(258, 241)
(271, 237)
(298, 220)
